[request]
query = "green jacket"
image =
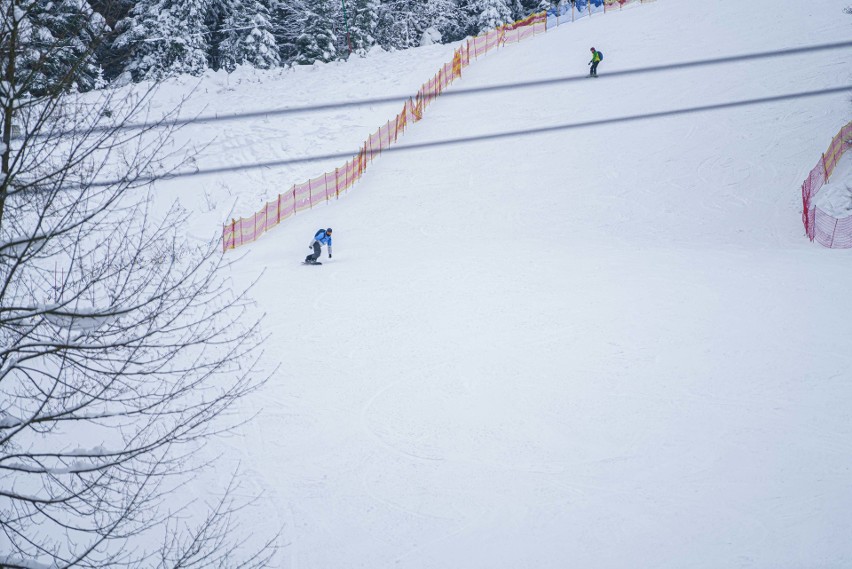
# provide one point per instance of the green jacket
(596, 57)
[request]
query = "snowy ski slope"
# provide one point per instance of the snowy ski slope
(599, 348)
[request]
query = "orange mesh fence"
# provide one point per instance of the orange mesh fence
(330, 185)
(825, 228)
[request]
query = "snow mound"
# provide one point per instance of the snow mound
(835, 198)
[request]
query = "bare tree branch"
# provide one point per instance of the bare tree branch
(122, 348)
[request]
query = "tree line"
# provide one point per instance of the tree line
(100, 41)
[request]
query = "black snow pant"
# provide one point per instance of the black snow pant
(594, 69)
(312, 258)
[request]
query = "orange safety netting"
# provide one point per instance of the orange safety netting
(329, 185)
(828, 230)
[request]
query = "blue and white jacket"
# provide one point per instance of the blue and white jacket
(322, 238)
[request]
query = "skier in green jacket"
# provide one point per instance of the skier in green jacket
(596, 58)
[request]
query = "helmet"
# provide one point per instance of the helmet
(328, 230)
(593, 49)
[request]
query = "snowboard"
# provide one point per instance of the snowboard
(314, 263)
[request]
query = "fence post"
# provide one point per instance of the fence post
(833, 233)
(824, 168)
(295, 209)
(325, 183)
(278, 211)
(310, 194)
(337, 183)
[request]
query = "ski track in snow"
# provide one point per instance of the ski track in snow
(605, 347)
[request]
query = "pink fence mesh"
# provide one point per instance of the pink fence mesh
(827, 230)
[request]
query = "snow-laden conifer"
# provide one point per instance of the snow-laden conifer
(246, 37)
(491, 14)
(58, 40)
(363, 21)
(318, 41)
(165, 37)
(402, 22)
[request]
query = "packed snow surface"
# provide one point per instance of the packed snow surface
(603, 347)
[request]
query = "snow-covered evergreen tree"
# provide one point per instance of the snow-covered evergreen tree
(317, 42)
(59, 41)
(545, 5)
(523, 8)
(363, 21)
(285, 26)
(165, 37)
(246, 37)
(491, 14)
(402, 22)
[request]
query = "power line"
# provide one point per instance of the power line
(400, 99)
(498, 135)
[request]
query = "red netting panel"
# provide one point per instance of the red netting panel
(494, 39)
(245, 232)
(810, 187)
(424, 96)
(448, 75)
(511, 35)
(349, 175)
(810, 223)
(385, 135)
(820, 226)
(526, 32)
(302, 193)
(432, 92)
(845, 139)
(813, 183)
(227, 238)
(372, 146)
(832, 232)
(286, 205)
(832, 155)
(411, 114)
(319, 188)
(480, 45)
(402, 120)
(843, 234)
(270, 213)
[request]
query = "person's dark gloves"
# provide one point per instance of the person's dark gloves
(329, 255)
(309, 247)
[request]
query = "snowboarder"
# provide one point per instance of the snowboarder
(596, 58)
(321, 237)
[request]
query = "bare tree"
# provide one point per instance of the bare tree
(121, 347)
